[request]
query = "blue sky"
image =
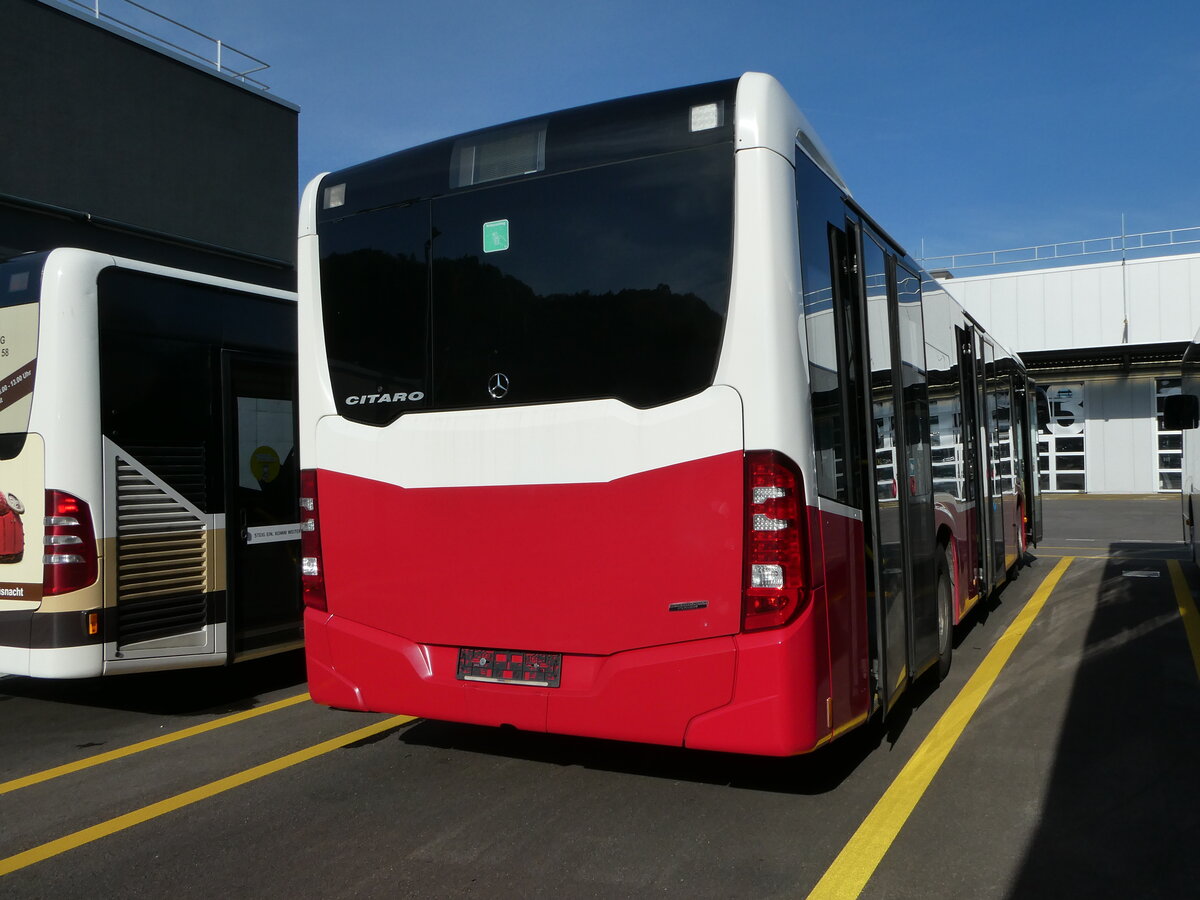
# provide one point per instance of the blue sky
(960, 126)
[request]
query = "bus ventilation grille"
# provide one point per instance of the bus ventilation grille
(162, 550)
(182, 468)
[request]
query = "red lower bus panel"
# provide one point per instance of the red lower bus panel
(778, 706)
(325, 685)
(585, 568)
(646, 695)
(846, 605)
(775, 692)
(958, 522)
(756, 693)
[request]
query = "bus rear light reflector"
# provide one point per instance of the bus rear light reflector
(68, 523)
(776, 564)
(312, 576)
(766, 523)
(766, 577)
(763, 494)
(59, 540)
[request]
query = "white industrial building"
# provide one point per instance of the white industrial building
(1106, 340)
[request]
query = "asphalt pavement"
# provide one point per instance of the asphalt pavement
(1056, 760)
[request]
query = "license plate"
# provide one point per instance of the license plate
(509, 666)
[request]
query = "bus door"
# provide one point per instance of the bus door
(993, 496)
(901, 481)
(1030, 426)
(916, 483)
(1022, 463)
(261, 501)
(974, 461)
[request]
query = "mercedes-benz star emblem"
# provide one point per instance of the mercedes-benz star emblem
(498, 385)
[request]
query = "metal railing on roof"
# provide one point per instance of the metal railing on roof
(1051, 253)
(143, 21)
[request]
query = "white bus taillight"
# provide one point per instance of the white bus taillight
(776, 561)
(69, 561)
(312, 574)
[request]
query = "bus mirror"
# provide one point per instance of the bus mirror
(1181, 412)
(1043, 408)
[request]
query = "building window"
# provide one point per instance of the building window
(1169, 459)
(1061, 457)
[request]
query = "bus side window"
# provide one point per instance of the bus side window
(818, 203)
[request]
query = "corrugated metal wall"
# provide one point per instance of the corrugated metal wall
(1085, 306)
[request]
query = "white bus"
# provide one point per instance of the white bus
(617, 422)
(148, 517)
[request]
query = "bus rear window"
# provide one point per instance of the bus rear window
(605, 282)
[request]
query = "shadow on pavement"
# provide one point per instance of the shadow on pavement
(815, 773)
(179, 693)
(1121, 808)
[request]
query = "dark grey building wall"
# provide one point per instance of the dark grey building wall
(170, 162)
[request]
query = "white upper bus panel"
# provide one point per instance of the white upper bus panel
(767, 117)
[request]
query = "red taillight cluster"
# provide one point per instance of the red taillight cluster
(776, 558)
(312, 569)
(70, 560)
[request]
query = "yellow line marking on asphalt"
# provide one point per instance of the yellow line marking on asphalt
(1187, 610)
(1128, 546)
(120, 752)
(862, 854)
(1132, 559)
(154, 810)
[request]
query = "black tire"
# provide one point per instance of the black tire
(945, 608)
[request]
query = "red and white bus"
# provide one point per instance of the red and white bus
(626, 421)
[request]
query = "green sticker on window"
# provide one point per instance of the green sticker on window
(495, 236)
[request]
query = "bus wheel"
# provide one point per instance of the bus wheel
(945, 614)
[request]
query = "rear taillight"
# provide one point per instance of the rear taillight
(312, 570)
(69, 561)
(776, 560)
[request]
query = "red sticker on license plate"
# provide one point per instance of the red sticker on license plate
(532, 669)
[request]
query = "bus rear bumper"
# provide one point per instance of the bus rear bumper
(742, 694)
(48, 645)
(52, 662)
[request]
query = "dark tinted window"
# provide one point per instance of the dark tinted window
(375, 302)
(587, 136)
(610, 281)
(615, 284)
(160, 366)
(819, 210)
